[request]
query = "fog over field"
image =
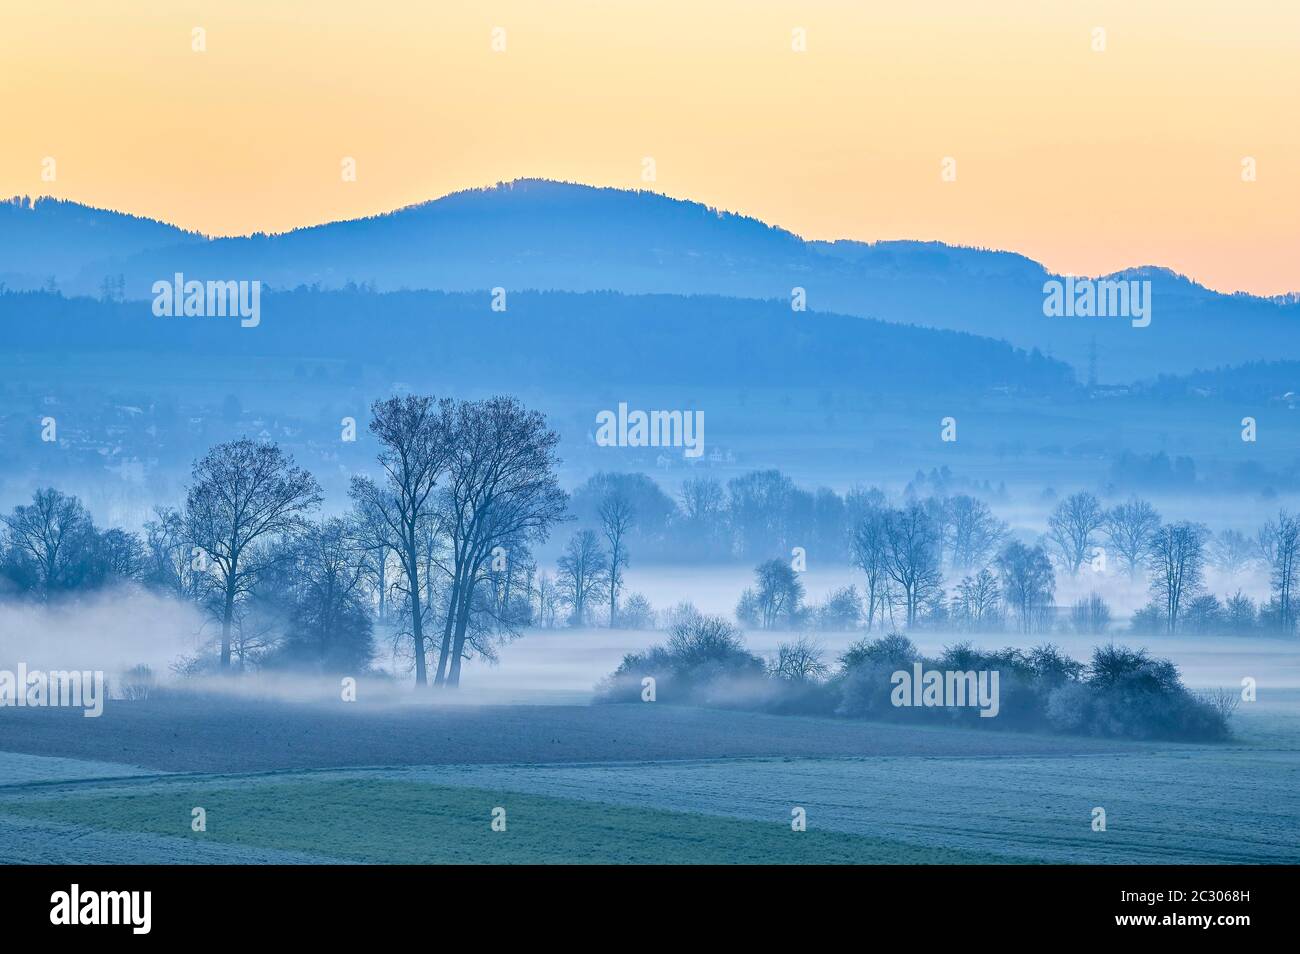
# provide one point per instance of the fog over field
(114, 630)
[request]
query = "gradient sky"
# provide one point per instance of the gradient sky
(1087, 161)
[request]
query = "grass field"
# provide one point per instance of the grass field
(302, 784)
(408, 822)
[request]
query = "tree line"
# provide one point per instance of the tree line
(432, 546)
(437, 550)
(904, 551)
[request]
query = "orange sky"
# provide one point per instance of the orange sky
(1088, 161)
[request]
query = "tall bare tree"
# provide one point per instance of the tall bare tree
(870, 549)
(912, 559)
(374, 538)
(244, 493)
(582, 574)
(1028, 583)
(414, 432)
(1177, 562)
(547, 597)
(1279, 542)
(502, 490)
(616, 518)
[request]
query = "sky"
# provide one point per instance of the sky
(1088, 151)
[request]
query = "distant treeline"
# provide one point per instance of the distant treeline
(941, 561)
(557, 340)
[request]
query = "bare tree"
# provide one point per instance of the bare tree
(977, 598)
(1072, 527)
(582, 576)
(704, 510)
(374, 538)
(870, 549)
(547, 598)
(1177, 561)
(244, 493)
(800, 661)
(616, 517)
(1128, 528)
(1232, 551)
(777, 596)
(1091, 615)
(50, 532)
(415, 447)
(1279, 542)
(1028, 583)
(973, 533)
(501, 492)
(330, 623)
(912, 556)
(171, 561)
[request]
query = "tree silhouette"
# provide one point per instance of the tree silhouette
(244, 493)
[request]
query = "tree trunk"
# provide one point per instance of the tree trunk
(227, 617)
(613, 592)
(445, 648)
(453, 604)
(417, 622)
(462, 624)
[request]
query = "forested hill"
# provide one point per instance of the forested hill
(557, 341)
(533, 234)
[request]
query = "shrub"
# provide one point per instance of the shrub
(1090, 616)
(1052, 667)
(801, 661)
(894, 648)
(1129, 694)
(842, 610)
(636, 613)
(1122, 693)
(701, 654)
(137, 683)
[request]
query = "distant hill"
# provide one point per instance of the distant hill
(43, 238)
(546, 235)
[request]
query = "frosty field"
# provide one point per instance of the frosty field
(613, 784)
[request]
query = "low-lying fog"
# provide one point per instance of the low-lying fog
(117, 630)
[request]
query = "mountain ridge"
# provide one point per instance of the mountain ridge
(548, 235)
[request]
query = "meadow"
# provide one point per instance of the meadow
(300, 783)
